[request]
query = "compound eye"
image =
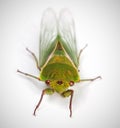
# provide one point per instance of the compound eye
(71, 83)
(47, 82)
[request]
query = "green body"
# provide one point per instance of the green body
(59, 68)
(58, 57)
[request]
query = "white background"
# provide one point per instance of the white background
(96, 104)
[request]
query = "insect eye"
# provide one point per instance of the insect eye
(47, 82)
(71, 83)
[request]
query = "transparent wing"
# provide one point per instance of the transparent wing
(67, 35)
(48, 35)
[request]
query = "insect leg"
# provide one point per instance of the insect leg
(98, 77)
(81, 51)
(26, 74)
(45, 91)
(34, 56)
(67, 94)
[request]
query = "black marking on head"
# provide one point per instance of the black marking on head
(59, 82)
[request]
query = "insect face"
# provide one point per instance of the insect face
(58, 85)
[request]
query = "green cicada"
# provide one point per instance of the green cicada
(58, 58)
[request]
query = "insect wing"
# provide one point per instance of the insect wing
(67, 35)
(48, 35)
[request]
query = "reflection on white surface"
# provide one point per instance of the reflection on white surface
(94, 104)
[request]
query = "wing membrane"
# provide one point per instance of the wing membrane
(48, 35)
(67, 35)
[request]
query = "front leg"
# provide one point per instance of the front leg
(48, 91)
(67, 94)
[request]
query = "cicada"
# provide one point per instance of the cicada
(58, 56)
